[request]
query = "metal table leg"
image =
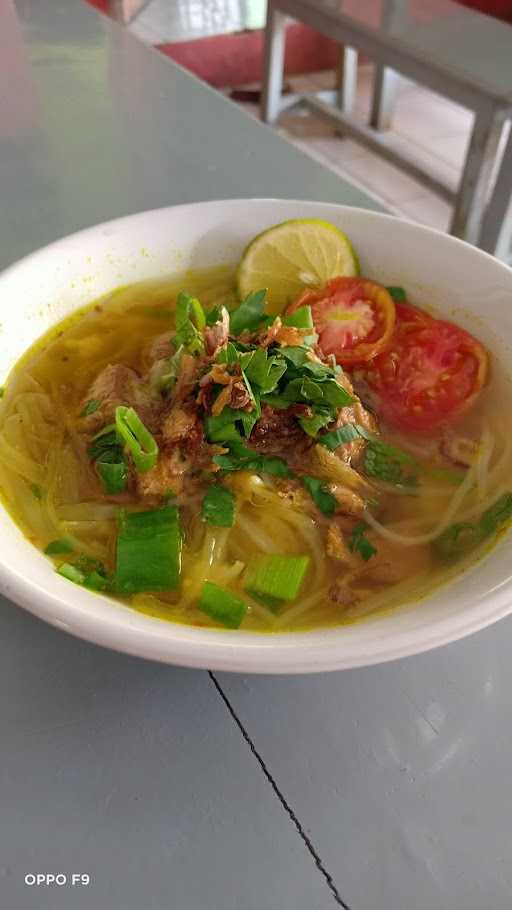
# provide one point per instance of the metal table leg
(476, 176)
(383, 101)
(273, 65)
(394, 13)
(496, 233)
(347, 79)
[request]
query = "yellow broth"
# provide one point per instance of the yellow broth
(52, 491)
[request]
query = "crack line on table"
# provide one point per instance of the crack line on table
(286, 806)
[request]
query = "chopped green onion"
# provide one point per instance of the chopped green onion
(2, 391)
(460, 538)
(90, 407)
(170, 369)
(218, 507)
(95, 581)
(197, 313)
(249, 314)
(190, 322)
(273, 579)
(448, 475)
(113, 475)
(497, 515)
(301, 319)
(63, 545)
(221, 606)
(358, 543)
(88, 573)
(88, 564)
(457, 540)
(158, 312)
(320, 494)
(397, 293)
(148, 551)
(36, 490)
(107, 452)
(141, 443)
(107, 439)
(335, 438)
(71, 573)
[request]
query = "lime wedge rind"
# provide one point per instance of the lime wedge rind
(293, 255)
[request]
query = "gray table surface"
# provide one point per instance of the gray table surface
(376, 789)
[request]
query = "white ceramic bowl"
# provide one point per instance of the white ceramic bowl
(465, 283)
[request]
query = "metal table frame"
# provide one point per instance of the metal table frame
(470, 197)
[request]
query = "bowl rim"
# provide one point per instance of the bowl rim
(239, 651)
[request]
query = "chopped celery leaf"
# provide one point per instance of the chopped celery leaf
(249, 314)
(190, 322)
(358, 542)
(90, 407)
(301, 319)
(320, 494)
(397, 293)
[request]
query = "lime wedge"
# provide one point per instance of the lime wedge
(292, 256)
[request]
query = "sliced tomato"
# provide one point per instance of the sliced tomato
(354, 318)
(431, 373)
(410, 317)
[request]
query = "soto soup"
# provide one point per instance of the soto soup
(274, 459)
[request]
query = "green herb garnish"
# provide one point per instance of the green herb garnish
(218, 507)
(463, 536)
(250, 313)
(106, 450)
(320, 494)
(387, 463)
(301, 319)
(397, 293)
(241, 458)
(90, 407)
(214, 315)
(358, 542)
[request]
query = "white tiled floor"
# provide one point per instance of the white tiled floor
(184, 20)
(432, 129)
